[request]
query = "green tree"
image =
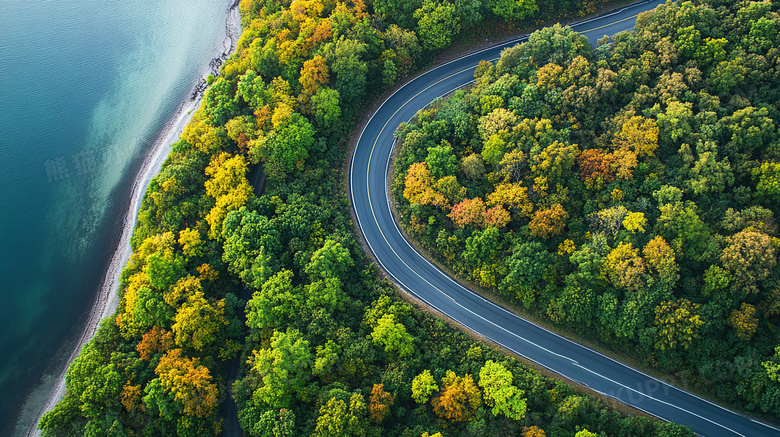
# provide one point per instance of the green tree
(339, 418)
(287, 147)
(93, 384)
(330, 261)
(251, 88)
(220, 102)
(327, 109)
(556, 44)
(273, 423)
(285, 369)
(437, 24)
(251, 245)
(393, 336)
(500, 394)
(326, 293)
(680, 223)
(513, 10)
(423, 386)
(473, 167)
(327, 358)
(346, 59)
(164, 269)
(275, 302)
(493, 150)
(527, 267)
(772, 366)
(708, 174)
(768, 186)
(441, 160)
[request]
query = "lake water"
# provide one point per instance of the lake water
(85, 87)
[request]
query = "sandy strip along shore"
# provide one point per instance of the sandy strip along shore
(107, 299)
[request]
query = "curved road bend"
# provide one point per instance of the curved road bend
(368, 172)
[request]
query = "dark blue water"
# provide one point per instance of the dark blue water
(85, 87)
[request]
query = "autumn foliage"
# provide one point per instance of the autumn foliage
(379, 403)
(189, 382)
(548, 222)
(155, 341)
(458, 399)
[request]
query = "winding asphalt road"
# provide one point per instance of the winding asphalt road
(371, 202)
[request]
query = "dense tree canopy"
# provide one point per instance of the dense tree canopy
(224, 275)
(640, 182)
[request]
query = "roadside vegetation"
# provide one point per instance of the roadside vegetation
(280, 283)
(626, 193)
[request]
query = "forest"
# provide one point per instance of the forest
(275, 282)
(625, 194)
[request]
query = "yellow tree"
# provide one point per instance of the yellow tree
(512, 165)
(207, 139)
(638, 135)
(182, 289)
(499, 122)
(678, 324)
(131, 396)
(625, 267)
(635, 222)
(189, 382)
(207, 273)
(551, 166)
(197, 322)
(660, 258)
(744, 321)
(228, 185)
(313, 74)
(190, 242)
(459, 398)
(625, 163)
(533, 431)
(750, 258)
(514, 196)
(419, 187)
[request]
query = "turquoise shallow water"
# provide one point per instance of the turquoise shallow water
(85, 87)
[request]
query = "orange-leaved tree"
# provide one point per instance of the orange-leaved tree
(189, 382)
(459, 398)
(470, 212)
(379, 403)
(548, 222)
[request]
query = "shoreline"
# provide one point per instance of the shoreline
(107, 299)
